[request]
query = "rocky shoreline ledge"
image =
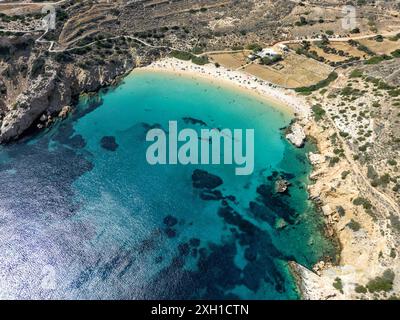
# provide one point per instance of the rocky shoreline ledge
(296, 135)
(309, 283)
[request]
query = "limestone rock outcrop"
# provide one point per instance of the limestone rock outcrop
(296, 135)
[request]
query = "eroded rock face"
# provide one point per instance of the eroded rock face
(296, 135)
(64, 112)
(29, 106)
(316, 158)
(53, 90)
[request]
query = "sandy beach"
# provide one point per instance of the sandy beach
(268, 91)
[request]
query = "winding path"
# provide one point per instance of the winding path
(33, 3)
(356, 169)
(112, 38)
(384, 198)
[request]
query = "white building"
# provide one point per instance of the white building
(268, 52)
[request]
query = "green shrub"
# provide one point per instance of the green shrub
(322, 84)
(237, 48)
(181, 55)
(340, 210)
(255, 47)
(318, 112)
(356, 74)
(338, 285)
(383, 180)
(345, 174)
(200, 60)
(271, 60)
(396, 53)
(382, 283)
(360, 289)
(363, 202)
(333, 161)
(302, 22)
(354, 225)
(197, 50)
(378, 59)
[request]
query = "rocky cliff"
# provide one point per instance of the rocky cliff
(49, 81)
(51, 91)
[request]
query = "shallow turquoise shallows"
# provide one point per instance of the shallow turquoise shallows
(83, 215)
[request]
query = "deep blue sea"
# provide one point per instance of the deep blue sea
(84, 216)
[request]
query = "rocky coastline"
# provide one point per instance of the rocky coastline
(362, 253)
(309, 283)
(296, 134)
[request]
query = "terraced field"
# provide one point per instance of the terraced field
(88, 23)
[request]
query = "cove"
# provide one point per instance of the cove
(81, 201)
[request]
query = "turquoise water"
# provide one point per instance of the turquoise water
(95, 220)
